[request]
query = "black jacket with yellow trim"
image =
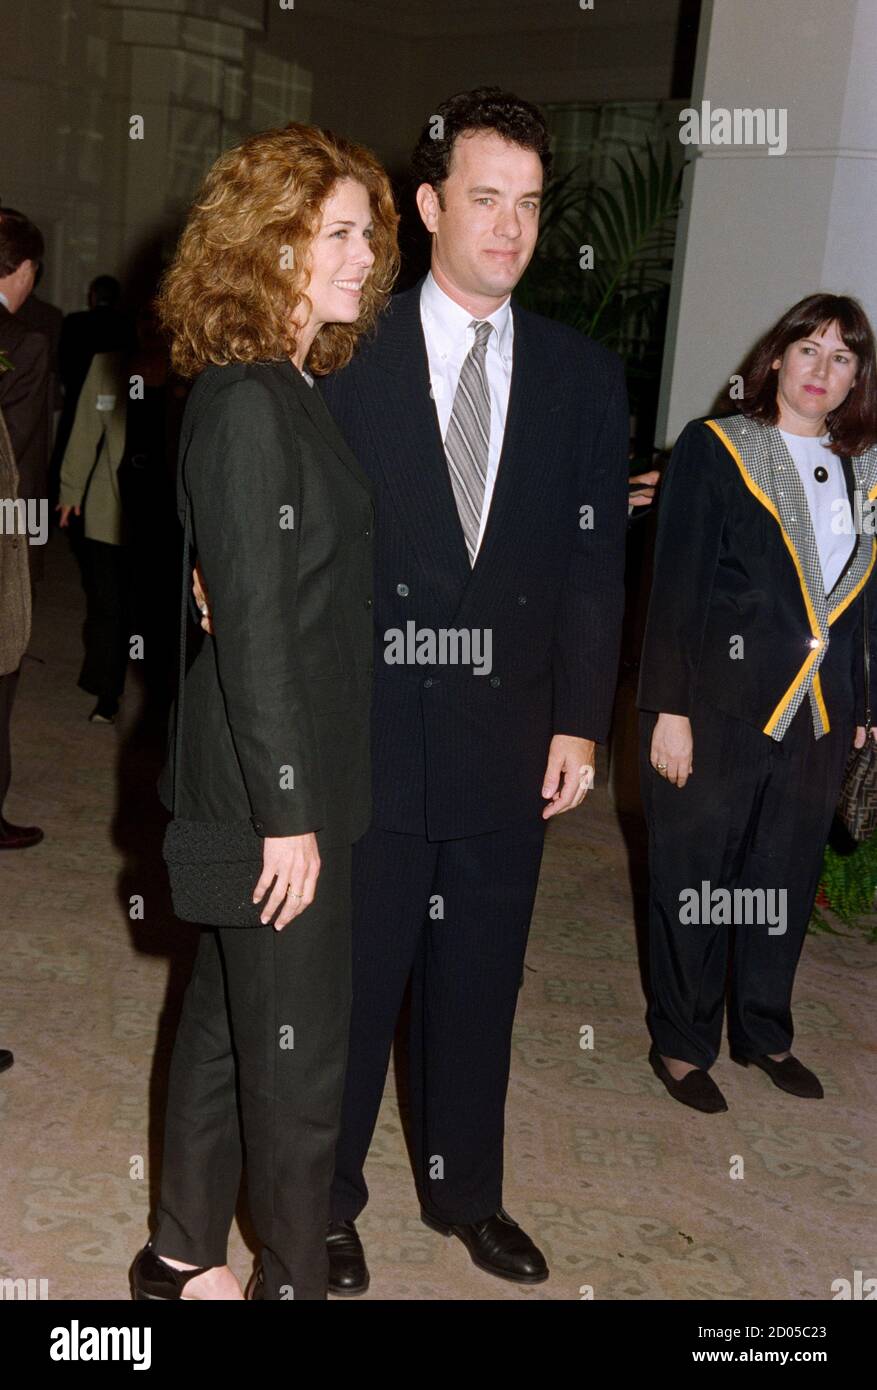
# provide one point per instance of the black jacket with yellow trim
(728, 619)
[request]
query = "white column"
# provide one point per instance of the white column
(760, 231)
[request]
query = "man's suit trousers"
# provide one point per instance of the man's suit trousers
(453, 915)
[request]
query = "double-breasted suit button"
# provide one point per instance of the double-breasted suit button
(522, 599)
(427, 683)
(402, 590)
(368, 603)
(495, 681)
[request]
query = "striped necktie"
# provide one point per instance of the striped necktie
(467, 441)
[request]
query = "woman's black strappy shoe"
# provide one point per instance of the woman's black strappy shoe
(152, 1279)
(696, 1089)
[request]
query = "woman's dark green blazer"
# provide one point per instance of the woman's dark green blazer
(276, 702)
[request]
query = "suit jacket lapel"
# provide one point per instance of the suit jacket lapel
(311, 400)
(799, 526)
(406, 431)
(850, 481)
(525, 447)
(794, 510)
(858, 566)
(413, 456)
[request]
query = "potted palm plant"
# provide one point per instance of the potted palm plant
(603, 264)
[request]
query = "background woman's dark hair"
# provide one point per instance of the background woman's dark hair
(484, 108)
(853, 426)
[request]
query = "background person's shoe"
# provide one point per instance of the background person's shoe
(104, 712)
(18, 836)
(6, 1059)
(497, 1245)
(789, 1075)
(696, 1089)
(348, 1271)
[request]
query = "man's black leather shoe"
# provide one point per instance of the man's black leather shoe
(498, 1246)
(6, 1059)
(789, 1075)
(348, 1271)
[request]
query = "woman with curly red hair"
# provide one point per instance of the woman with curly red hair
(288, 256)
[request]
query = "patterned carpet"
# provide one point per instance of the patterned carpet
(630, 1195)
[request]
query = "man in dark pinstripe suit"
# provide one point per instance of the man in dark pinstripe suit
(497, 443)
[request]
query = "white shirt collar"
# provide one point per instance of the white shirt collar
(4, 300)
(449, 321)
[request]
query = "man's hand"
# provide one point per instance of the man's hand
(569, 773)
(646, 482)
(859, 740)
(201, 599)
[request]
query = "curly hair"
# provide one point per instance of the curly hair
(227, 296)
(853, 425)
(484, 108)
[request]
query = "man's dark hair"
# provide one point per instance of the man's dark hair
(104, 292)
(20, 241)
(484, 108)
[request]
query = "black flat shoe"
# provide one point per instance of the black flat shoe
(104, 712)
(348, 1271)
(498, 1246)
(18, 836)
(6, 1059)
(789, 1075)
(696, 1089)
(152, 1279)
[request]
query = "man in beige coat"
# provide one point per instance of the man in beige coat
(90, 484)
(22, 391)
(14, 637)
(14, 623)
